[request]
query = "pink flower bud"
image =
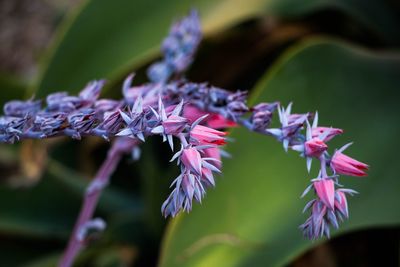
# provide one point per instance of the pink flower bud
(205, 136)
(314, 148)
(325, 189)
(327, 132)
(174, 124)
(343, 164)
(191, 159)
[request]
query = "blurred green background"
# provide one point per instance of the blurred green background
(340, 57)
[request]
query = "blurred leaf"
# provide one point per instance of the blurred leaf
(41, 211)
(49, 260)
(378, 15)
(99, 256)
(21, 252)
(252, 217)
(49, 208)
(112, 200)
(11, 88)
(107, 39)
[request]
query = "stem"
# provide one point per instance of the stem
(323, 166)
(92, 194)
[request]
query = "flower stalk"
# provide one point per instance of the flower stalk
(91, 198)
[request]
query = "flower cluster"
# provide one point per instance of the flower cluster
(330, 205)
(178, 49)
(194, 115)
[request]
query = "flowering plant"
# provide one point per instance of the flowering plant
(192, 118)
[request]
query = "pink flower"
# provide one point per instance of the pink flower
(191, 159)
(214, 120)
(325, 189)
(326, 132)
(174, 124)
(343, 164)
(314, 147)
(203, 135)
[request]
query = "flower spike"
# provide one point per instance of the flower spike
(194, 116)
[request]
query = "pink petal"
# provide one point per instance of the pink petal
(325, 189)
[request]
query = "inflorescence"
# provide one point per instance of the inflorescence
(195, 115)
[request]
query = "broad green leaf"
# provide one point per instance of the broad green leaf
(45, 214)
(48, 260)
(41, 211)
(251, 218)
(15, 252)
(107, 39)
(111, 199)
(49, 209)
(378, 16)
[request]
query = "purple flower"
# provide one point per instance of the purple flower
(262, 115)
(291, 124)
(178, 49)
(187, 187)
(169, 125)
(111, 124)
(82, 121)
(50, 123)
(105, 105)
(18, 108)
(135, 121)
(316, 225)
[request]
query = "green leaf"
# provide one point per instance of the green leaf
(11, 88)
(377, 15)
(49, 209)
(112, 199)
(42, 211)
(251, 218)
(48, 260)
(107, 39)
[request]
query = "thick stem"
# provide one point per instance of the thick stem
(92, 196)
